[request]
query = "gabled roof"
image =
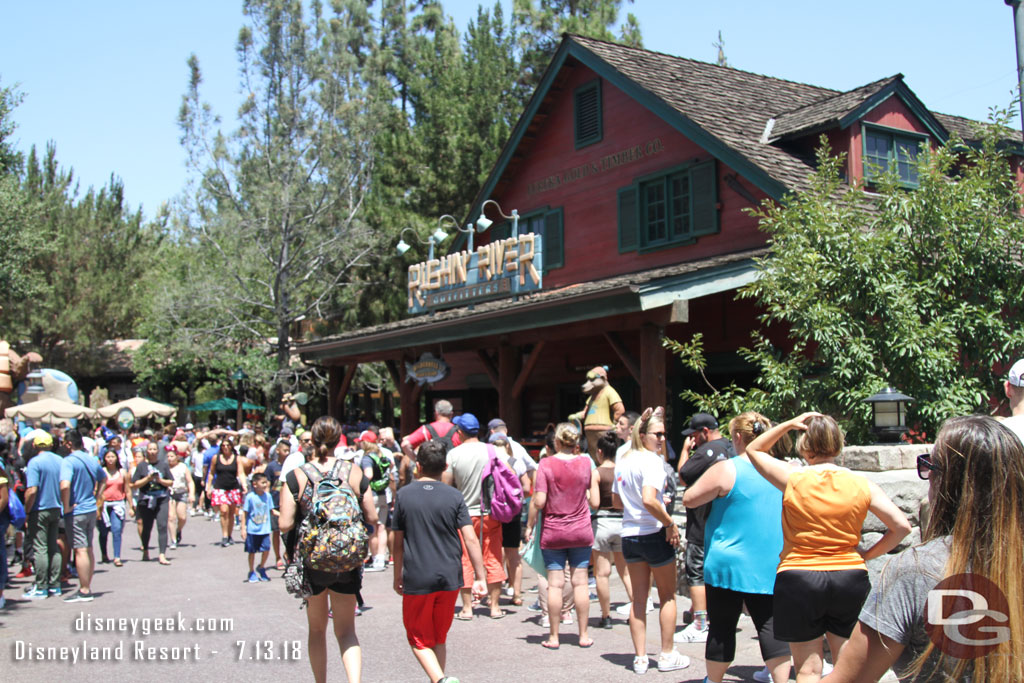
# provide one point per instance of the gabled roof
(724, 110)
(846, 108)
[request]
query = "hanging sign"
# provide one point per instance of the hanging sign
(503, 267)
(125, 418)
(427, 370)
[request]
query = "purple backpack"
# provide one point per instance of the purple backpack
(502, 493)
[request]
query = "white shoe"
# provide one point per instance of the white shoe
(545, 621)
(672, 661)
(640, 665)
(567, 618)
(691, 634)
(626, 608)
(826, 668)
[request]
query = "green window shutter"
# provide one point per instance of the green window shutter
(554, 240)
(501, 231)
(587, 126)
(704, 198)
(627, 219)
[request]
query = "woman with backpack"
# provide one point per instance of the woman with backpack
(298, 499)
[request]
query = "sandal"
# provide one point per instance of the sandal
(117, 562)
(461, 616)
(547, 645)
(518, 602)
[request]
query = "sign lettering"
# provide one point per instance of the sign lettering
(605, 163)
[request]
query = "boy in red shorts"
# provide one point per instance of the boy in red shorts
(427, 519)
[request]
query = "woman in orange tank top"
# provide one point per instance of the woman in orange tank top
(822, 580)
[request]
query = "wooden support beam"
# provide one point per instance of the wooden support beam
(524, 375)
(509, 405)
(397, 376)
(624, 355)
(653, 388)
(489, 367)
(334, 374)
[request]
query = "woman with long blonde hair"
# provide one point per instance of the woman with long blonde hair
(974, 541)
(649, 538)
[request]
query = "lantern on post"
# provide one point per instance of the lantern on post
(888, 414)
(239, 376)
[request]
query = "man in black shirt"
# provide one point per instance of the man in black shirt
(704, 445)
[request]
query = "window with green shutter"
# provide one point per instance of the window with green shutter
(547, 223)
(888, 148)
(670, 208)
(587, 114)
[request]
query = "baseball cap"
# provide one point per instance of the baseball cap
(701, 421)
(367, 436)
(1016, 377)
(497, 436)
(495, 423)
(468, 423)
(287, 431)
(189, 427)
(40, 438)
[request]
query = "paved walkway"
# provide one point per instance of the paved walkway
(230, 628)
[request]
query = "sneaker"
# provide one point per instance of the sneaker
(691, 634)
(567, 618)
(535, 607)
(56, 591)
(191, 512)
(592, 582)
(3, 602)
(377, 566)
(509, 592)
(640, 665)
(36, 594)
(826, 668)
(447, 679)
(764, 675)
(25, 573)
(359, 612)
(263, 574)
(625, 608)
(172, 545)
(606, 622)
(673, 661)
(224, 543)
(254, 577)
(79, 596)
(593, 595)
(545, 621)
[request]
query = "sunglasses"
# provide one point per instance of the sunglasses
(925, 466)
(657, 435)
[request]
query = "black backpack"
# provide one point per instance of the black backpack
(446, 439)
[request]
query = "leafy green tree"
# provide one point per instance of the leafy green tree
(276, 211)
(922, 290)
(540, 27)
(16, 282)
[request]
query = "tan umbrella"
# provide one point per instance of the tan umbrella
(140, 407)
(50, 410)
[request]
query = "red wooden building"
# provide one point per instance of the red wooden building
(636, 169)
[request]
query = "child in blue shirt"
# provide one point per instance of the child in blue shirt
(255, 514)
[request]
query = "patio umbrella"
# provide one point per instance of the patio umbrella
(140, 407)
(49, 410)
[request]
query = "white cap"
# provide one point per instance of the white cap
(1016, 377)
(188, 427)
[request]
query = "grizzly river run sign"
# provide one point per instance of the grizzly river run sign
(505, 267)
(600, 165)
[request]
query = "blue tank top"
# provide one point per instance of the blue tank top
(743, 535)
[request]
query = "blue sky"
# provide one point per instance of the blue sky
(104, 79)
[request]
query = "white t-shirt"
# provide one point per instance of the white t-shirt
(466, 463)
(1016, 425)
(292, 462)
(520, 453)
(632, 473)
(179, 473)
(622, 450)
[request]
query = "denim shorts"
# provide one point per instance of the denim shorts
(650, 548)
(556, 558)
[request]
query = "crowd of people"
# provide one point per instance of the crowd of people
(772, 528)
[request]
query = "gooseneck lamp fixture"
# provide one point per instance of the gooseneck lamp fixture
(888, 414)
(483, 223)
(468, 230)
(437, 237)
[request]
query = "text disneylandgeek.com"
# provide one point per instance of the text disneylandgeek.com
(141, 643)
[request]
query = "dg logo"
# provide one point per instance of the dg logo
(966, 616)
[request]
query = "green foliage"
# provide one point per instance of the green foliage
(921, 290)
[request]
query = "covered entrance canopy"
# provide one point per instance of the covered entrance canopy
(512, 341)
(223, 404)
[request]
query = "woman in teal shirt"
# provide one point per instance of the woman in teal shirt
(743, 539)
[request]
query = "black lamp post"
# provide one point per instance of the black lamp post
(239, 376)
(889, 414)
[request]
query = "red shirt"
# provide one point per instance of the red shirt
(442, 427)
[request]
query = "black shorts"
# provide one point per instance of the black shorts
(694, 558)
(807, 604)
(512, 533)
(347, 583)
